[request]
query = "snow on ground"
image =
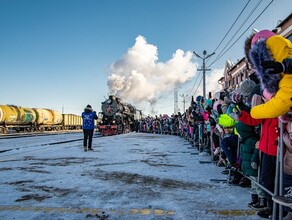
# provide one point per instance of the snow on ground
(129, 176)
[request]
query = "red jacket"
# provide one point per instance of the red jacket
(269, 135)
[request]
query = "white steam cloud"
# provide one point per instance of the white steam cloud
(139, 77)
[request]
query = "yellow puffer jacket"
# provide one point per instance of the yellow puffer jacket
(281, 103)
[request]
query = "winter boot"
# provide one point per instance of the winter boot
(234, 177)
(262, 204)
(245, 182)
(286, 199)
(265, 213)
(254, 200)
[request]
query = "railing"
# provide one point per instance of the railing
(278, 186)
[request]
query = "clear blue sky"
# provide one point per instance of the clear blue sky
(59, 53)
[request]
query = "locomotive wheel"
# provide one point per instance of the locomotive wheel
(120, 129)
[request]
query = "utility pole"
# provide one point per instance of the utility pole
(205, 56)
(184, 101)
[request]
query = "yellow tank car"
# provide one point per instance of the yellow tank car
(16, 115)
(29, 116)
(58, 119)
(17, 118)
(44, 116)
(9, 114)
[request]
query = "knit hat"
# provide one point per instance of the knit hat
(264, 34)
(247, 86)
(256, 90)
(226, 121)
(88, 106)
(200, 98)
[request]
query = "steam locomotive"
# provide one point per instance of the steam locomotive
(118, 117)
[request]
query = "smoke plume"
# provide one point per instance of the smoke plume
(138, 76)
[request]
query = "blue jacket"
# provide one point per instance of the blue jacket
(88, 119)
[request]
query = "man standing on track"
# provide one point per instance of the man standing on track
(88, 117)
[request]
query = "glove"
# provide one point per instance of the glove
(273, 67)
(254, 165)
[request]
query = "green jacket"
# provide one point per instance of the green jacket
(248, 153)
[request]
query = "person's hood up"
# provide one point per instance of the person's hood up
(88, 108)
(259, 53)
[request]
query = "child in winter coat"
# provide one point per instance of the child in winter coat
(268, 147)
(270, 56)
(249, 156)
(229, 140)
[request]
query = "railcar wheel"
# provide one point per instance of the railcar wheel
(2, 130)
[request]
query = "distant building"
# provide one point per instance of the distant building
(234, 74)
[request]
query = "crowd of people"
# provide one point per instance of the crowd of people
(240, 129)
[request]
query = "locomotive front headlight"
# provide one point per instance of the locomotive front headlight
(114, 121)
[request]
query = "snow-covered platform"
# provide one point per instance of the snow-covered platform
(130, 176)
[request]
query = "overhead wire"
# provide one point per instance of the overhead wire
(196, 88)
(222, 53)
(199, 85)
(232, 25)
(191, 91)
(240, 27)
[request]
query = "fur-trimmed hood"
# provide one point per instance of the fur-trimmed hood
(279, 48)
(88, 109)
(259, 53)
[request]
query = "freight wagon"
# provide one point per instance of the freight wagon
(36, 119)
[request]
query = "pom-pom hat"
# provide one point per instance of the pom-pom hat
(265, 34)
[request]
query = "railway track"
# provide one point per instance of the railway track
(38, 144)
(35, 134)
